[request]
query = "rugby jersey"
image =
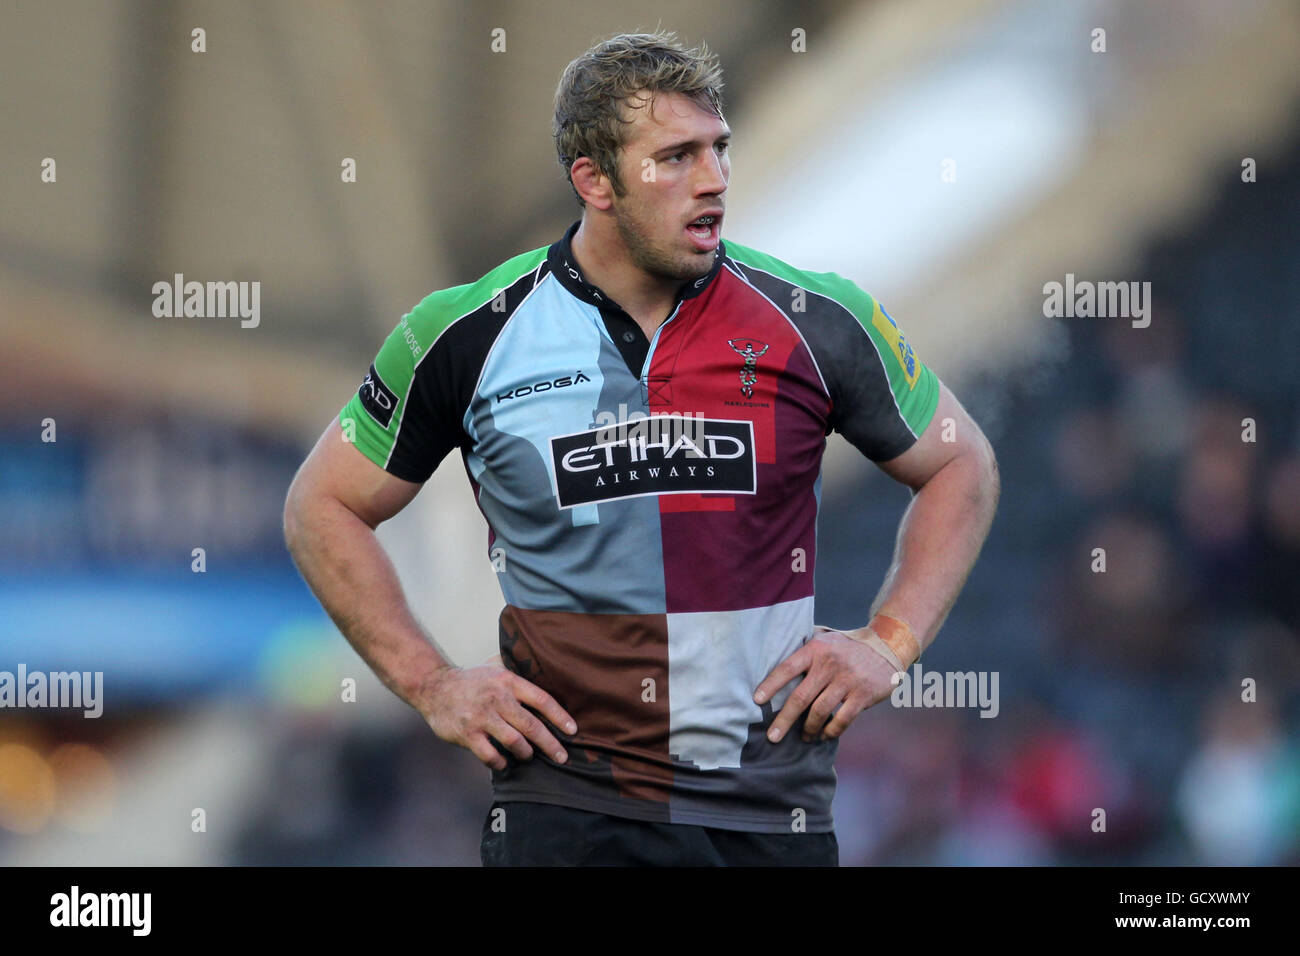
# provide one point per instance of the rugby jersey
(651, 508)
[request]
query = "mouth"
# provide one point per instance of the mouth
(705, 230)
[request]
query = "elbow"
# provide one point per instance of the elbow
(990, 480)
(293, 517)
(982, 484)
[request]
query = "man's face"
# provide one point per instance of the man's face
(674, 167)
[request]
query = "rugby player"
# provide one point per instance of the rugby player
(662, 694)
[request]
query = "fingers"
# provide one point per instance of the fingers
(501, 716)
(535, 732)
(848, 712)
(479, 745)
(783, 673)
(508, 736)
(823, 707)
(839, 685)
(550, 708)
(808, 690)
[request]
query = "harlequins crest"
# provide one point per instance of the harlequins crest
(752, 350)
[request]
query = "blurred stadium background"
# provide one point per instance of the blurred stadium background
(1118, 690)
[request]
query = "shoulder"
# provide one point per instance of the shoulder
(834, 312)
(882, 395)
(832, 287)
(494, 293)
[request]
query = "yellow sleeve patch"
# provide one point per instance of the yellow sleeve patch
(898, 344)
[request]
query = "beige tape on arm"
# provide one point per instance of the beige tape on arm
(896, 635)
(874, 642)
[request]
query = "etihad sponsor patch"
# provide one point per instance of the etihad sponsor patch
(701, 455)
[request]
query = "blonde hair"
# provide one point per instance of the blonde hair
(595, 86)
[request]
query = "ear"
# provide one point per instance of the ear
(591, 184)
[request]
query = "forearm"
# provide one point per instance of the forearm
(348, 570)
(939, 539)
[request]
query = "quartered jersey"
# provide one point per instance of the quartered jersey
(651, 508)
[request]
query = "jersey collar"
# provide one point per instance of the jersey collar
(565, 267)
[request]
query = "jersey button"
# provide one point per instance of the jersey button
(629, 337)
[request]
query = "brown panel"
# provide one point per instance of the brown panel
(595, 666)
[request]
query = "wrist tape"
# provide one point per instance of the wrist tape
(897, 638)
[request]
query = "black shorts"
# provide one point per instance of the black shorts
(539, 834)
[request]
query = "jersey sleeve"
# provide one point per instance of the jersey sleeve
(882, 395)
(404, 422)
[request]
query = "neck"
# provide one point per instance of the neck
(603, 258)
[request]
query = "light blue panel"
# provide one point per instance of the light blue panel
(599, 558)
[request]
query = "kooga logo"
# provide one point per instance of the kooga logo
(564, 381)
(713, 455)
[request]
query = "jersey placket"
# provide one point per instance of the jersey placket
(638, 352)
(659, 388)
(627, 337)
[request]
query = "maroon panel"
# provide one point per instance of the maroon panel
(743, 360)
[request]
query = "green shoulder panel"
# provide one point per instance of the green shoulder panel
(372, 417)
(914, 384)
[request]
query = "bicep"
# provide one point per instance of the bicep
(337, 470)
(950, 434)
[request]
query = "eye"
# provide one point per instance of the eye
(676, 155)
(722, 147)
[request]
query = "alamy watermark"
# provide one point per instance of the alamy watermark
(75, 690)
(127, 910)
(208, 300)
(658, 429)
(922, 688)
(1103, 300)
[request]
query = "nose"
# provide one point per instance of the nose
(714, 177)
